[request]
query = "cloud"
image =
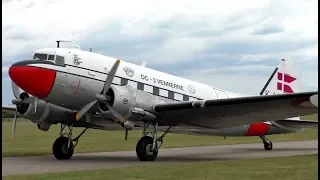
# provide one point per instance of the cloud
(5, 69)
(216, 42)
(268, 26)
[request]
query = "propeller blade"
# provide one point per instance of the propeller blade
(110, 77)
(15, 89)
(121, 119)
(14, 125)
(19, 101)
(85, 109)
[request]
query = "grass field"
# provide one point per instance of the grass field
(284, 168)
(32, 141)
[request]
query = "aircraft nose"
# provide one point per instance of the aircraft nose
(34, 80)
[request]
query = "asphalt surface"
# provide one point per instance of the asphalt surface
(89, 161)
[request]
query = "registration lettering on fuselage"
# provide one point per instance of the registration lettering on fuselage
(161, 82)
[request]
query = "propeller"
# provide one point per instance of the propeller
(15, 89)
(20, 99)
(102, 97)
(14, 124)
(16, 93)
(118, 116)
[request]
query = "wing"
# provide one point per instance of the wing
(224, 113)
(11, 108)
(299, 123)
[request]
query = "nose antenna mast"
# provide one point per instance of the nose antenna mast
(58, 42)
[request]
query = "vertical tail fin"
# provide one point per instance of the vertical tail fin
(284, 79)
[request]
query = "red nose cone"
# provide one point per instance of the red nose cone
(35, 81)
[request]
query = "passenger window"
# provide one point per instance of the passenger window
(51, 57)
(42, 57)
(60, 61)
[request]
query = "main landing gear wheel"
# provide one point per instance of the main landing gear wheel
(144, 149)
(267, 145)
(60, 148)
(63, 147)
(148, 147)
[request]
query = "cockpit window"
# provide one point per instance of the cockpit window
(60, 60)
(51, 57)
(40, 56)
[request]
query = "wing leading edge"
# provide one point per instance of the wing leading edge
(224, 113)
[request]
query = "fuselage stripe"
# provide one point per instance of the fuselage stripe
(128, 80)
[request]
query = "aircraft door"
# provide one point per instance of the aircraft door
(72, 81)
(214, 94)
(221, 94)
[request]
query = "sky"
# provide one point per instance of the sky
(232, 45)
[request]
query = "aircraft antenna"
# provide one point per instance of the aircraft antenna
(58, 42)
(144, 63)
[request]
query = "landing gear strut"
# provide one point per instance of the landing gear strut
(147, 147)
(266, 142)
(63, 146)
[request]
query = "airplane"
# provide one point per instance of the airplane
(77, 88)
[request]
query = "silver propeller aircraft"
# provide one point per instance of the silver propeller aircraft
(77, 88)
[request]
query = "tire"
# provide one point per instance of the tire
(143, 149)
(59, 148)
(268, 145)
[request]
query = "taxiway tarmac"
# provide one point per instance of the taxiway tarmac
(89, 161)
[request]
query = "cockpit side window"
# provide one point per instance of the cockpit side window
(39, 56)
(51, 57)
(60, 60)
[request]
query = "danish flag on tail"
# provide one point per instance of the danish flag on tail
(284, 79)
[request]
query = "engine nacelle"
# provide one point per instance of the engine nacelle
(44, 126)
(121, 100)
(40, 112)
(124, 99)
